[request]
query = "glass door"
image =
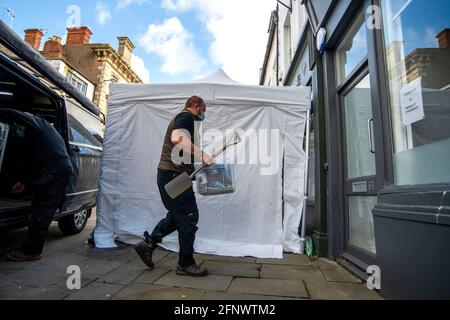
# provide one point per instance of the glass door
(358, 147)
(360, 168)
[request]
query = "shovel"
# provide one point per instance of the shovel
(183, 182)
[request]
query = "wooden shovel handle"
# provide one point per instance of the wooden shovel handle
(236, 139)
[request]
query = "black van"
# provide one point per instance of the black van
(28, 81)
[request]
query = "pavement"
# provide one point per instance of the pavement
(119, 274)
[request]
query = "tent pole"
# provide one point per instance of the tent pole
(306, 183)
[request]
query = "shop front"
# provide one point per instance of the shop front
(383, 81)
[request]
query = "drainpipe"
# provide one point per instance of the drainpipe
(277, 18)
(306, 182)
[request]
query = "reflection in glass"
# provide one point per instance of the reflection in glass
(353, 50)
(358, 112)
(83, 121)
(361, 229)
(418, 60)
(215, 180)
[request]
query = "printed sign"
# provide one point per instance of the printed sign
(411, 102)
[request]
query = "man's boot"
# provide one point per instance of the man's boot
(145, 250)
(18, 255)
(192, 271)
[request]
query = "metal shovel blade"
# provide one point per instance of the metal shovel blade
(178, 185)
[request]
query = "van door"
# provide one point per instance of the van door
(86, 137)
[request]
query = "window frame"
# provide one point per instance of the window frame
(77, 82)
(378, 62)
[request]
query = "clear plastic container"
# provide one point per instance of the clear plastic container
(215, 180)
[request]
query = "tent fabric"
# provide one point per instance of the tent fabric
(219, 77)
(261, 218)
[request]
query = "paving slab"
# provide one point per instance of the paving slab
(245, 270)
(288, 259)
(94, 268)
(62, 259)
(212, 295)
(230, 259)
(332, 271)
(326, 290)
(6, 264)
(308, 273)
(115, 254)
(150, 276)
(38, 276)
(119, 274)
(211, 282)
(125, 273)
(96, 291)
(269, 287)
(170, 261)
(140, 291)
(14, 291)
(6, 271)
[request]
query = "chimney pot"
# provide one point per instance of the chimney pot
(125, 48)
(34, 37)
(53, 49)
(76, 36)
(444, 39)
(55, 39)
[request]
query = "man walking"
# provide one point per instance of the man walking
(183, 215)
(50, 171)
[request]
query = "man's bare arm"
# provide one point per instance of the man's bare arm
(182, 139)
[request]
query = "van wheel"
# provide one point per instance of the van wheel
(75, 223)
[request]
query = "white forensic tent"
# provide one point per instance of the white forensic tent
(261, 218)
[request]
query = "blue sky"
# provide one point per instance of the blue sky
(419, 30)
(177, 40)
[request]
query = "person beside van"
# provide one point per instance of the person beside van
(182, 213)
(50, 170)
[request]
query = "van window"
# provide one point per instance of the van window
(80, 135)
(85, 127)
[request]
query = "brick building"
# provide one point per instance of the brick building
(88, 64)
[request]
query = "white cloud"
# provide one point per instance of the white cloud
(239, 31)
(178, 4)
(103, 14)
(121, 4)
(173, 43)
(138, 65)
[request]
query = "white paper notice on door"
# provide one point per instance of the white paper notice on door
(411, 102)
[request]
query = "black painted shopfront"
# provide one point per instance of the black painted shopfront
(382, 139)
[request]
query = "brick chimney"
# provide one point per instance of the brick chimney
(125, 48)
(53, 49)
(76, 36)
(33, 37)
(444, 39)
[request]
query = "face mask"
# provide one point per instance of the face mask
(202, 117)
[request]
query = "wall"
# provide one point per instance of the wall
(270, 78)
(64, 69)
(84, 59)
(293, 23)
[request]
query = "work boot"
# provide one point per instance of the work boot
(192, 271)
(145, 250)
(18, 255)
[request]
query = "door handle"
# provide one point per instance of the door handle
(369, 131)
(76, 149)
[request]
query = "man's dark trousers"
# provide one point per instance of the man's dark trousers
(182, 217)
(49, 194)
